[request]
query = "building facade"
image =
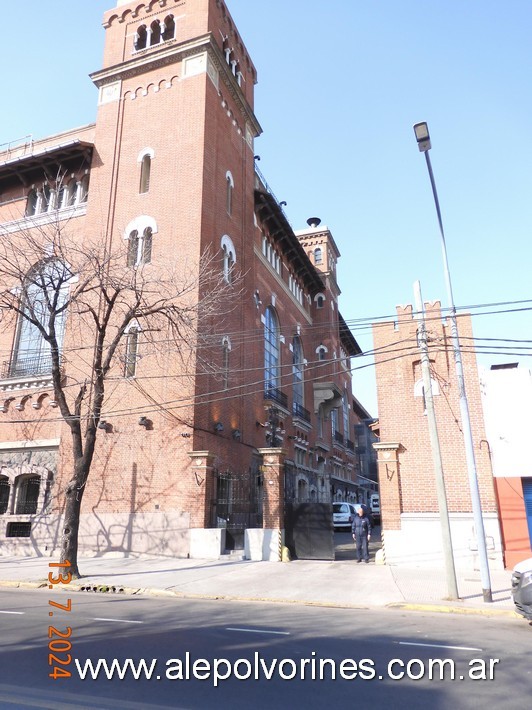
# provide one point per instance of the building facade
(199, 441)
(409, 505)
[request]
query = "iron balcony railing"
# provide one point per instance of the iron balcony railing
(28, 366)
(338, 437)
(299, 411)
(350, 444)
(275, 395)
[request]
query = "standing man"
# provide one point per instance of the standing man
(361, 529)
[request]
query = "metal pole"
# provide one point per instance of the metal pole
(464, 411)
(448, 558)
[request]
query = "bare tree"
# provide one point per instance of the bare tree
(53, 284)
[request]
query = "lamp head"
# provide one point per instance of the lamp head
(421, 131)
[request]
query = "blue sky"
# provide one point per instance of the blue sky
(340, 86)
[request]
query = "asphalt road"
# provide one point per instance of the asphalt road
(246, 638)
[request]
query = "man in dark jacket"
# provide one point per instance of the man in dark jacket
(361, 529)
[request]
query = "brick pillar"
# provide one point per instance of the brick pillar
(389, 485)
(273, 488)
(200, 489)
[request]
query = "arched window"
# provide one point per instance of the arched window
(229, 193)
(145, 170)
(168, 28)
(83, 190)
(321, 352)
(31, 204)
(43, 301)
(139, 248)
(229, 258)
(297, 375)
(320, 300)
(45, 198)
(155, 33)
(139, 234)
(271, 350)
(132, 351)
(141, 37)
(67, 195)
(318, 257)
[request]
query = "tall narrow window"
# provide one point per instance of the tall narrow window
(132, 352)
(84, 189)
(31, 204)
(297, 375)
(345, 412)
(271, 350)
(5, 490)
(229, 186)
(146, 245)
(226, 350)
(169, 28)
(42, 308)
(334, 421)
(318, 257)
(145, 170)
(229, 258)
(45, 198)
(155, 33)
(141, 37)
(139, 247)
(67, 195)
(133, 248)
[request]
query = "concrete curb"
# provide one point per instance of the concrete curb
(444, 609)
(112, 590)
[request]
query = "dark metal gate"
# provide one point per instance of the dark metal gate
(309, 533)
(237, 505)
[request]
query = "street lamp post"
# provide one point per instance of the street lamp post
(421, 131)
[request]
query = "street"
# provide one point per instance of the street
(387, 644)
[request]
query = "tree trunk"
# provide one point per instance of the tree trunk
(69, 544)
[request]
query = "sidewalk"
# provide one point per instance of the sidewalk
(340, 583)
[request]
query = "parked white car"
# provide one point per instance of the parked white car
(343, 514)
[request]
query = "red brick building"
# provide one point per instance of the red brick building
(409, 505)
(167, 172)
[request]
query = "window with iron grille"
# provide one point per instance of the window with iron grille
(18, 530)
(27, 495)
(5, 489)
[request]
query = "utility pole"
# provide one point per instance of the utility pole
(421, 131)
(450, 573)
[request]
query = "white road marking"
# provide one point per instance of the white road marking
(257, 631)
(435, 645)
(119, 621)
(12, 612)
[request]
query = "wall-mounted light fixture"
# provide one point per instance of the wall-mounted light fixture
(218, 427)
(103, 424)
(237, 434)
(145, 422)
